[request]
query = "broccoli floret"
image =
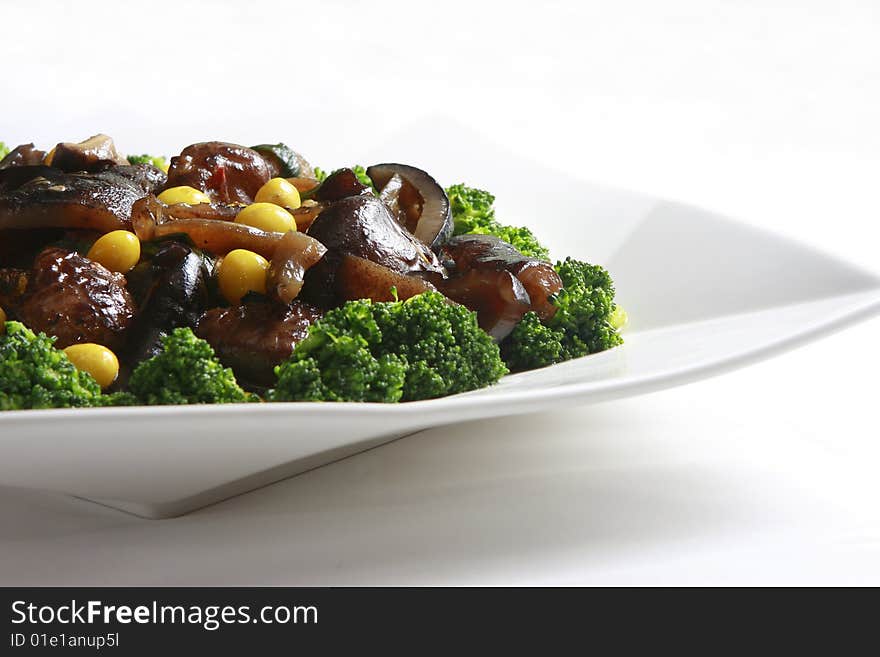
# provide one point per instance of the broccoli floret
(4, 150)
(186, 371)
(531, 345)
(445, 349)
(359, 171)
(473, 213)
(471, 207)
(585, 306)
(337, 361)
(362, 176)
(586, 321)
(618, 318)
(157, 161)
(118, 399)
(34, 374)
(391, 351)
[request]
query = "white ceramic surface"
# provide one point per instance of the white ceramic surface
(704, 294)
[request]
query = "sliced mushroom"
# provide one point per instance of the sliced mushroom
(487, 253)
(93, 154)
(418, 198)
(91, 201)
(146, 176)
(341, 184)
(175, 293)
(498, 298)
(363, 226)
(23, 156)
(11, 178)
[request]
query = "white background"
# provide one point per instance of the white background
(764, 110)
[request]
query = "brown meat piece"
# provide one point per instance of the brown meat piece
(228, 173)
(76, 300)
(255, 337)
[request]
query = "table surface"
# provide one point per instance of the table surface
(763, 110)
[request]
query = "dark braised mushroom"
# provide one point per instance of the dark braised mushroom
(417, 198)
(93, 154)
(341, 184)
(362, 226)
(253, 338)
(174, 293)
(498, 298)
(487, 253)
(12, 178)
(228, 173)
(76, 300)
(146, 176)
(90, 201)
(25, 155)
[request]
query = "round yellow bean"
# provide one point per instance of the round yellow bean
(183, 194)
(118, 251)
(95, 359)
(268, 217)
(280, 192)
(240, 272)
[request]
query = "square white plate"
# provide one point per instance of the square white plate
(704, 295)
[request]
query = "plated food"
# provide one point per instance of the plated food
(236, 274)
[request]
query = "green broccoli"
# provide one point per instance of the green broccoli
(186, 371)
(473, 213)
(4, 150)
(585, 307)
(157, 161)
(586, 321)
(119, 398)
(531, 345)
(420, 348)
(34, 374)
(335, 362)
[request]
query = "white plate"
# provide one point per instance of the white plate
(704, 294)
